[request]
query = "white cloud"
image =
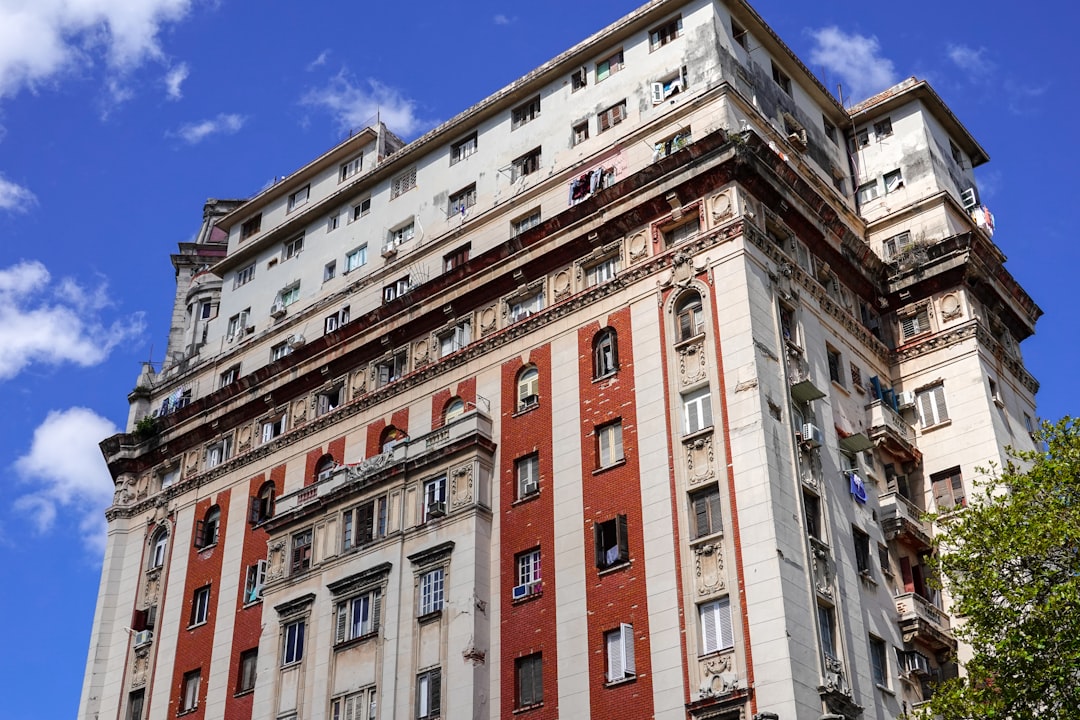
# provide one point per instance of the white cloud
(174, 79)
(68, 473)
(41, 324)
(319, 61)
(15, 198)
(501, 19)
(971, 60)
(356, 105)
(855, 58)
(40, 39)
(227, 124)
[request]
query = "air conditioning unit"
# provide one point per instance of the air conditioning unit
(295, 341)
(277, 310)
(530, 400)
(143, 637)
(812, 435)
(436, 509)
(389, 251)
(916, 662)
(906, 399)
(520, 592)
(520, 315)
(529, 487)
(969, 199)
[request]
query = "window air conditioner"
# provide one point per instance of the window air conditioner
(389, 251)
(529, 400)
(295, 341)
(916, 662)
(520, 592)
(277, 310)
(529, 487)
(143, 637)
(436, 509)
(906, 399)
(812, 436)
(969, 199)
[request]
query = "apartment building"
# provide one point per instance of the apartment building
(622, 393)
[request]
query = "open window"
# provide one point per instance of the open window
(528, 388)
(605, 353)
(207, 529)
(611, 543)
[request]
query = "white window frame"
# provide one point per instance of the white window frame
(528, 387)
(526, 164)
(525, 113)
(697, 410)
(350, 167)
(254, 582)
(916, 323)
(463, 148)
(299, 198)
(272, 427)
(602, 272)
(354, 259)
(218, 452)
(292, 650)
(609, 444)
(716, 627)
(931, 406)
(868, 191)
(401, 234)
(610, 65)
(434, 492)
(894, 180)
(605, 353)
(290, 294)
(200, 606)
(525, 222)
(360, 209)
(353, 531)
(610, 117)
(619, 648)
(429, 694)
(523, 307)
(403, 183)
(454, 339)
(358, 616)
(158, 554)
(527, 474)
(238, 323)
(528, 567)
(432, 591)
(192, 683)
(329, 271)
(244, 275)
(354, 706)
(660, 36)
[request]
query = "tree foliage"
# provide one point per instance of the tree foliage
(1011, 563)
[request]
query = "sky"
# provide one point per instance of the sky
(119, 118)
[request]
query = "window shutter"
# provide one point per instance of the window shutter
(723, 624)
(138, 621)
(341, 622)
(706, 410)
(376, 609)
(350, 708)
(436, 692)
(701, 515)
(621, 536)
(260, 577)
(709, 640)
(598, 544)
(905, 574)
(657, 93)
(422, 696)
(267, 432)
(628, 648)
(938, 394)
(365, 522)
(199, 532)
(618, 451)
(958, 490)
(254, 511)
(926, 408)
(615, 666)
(715, 518)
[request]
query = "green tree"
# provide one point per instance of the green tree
(1011, 563)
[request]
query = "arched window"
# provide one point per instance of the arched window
(158, 547)
(689, 318)
(324, 468)
(455, 408)
(391, 437)
(528, 387)
(605, 353)
(206, 530)
(262, 505)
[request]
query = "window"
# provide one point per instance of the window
(361, 209)
(611, 117)
(244, 275)
(391, 369)
(396, 289)
(524, 307)
(829, 128)
(861, 140)
(403, 183)
(739, 35)
(248, 661)
(237, 324)
(836, 365)
(529, 671)
(254, 582)
(619, 646)
(868, 191)
(668, 86)
(605, 353)
(611, 541)
(335, 320)
(251, 227)
(883, 128)
(579, 79)
(293, 650)
(219, 452)
(1029, 424)
(168, 477)
(355, 258)
(528, 387)
(279, 351)
(602, 271)
(272, 427)
(705, 505)
(461, 201)
(429, 694)
(683, 231)
(455, 338)
(527, 164)
(812, 508)
(527, 472)
(883, 560)
(435, 498)
(135, 705)
(527, 565)
(329, 400)
(454, 409)
(609, 66)
(957, 155)
(781, 78)
(324, 469)
(856, 377)
(355, 706)
(949, 489)
(658, 37)
(524, 223)
(609, 444)
(879, 667)
(364, 523)
(358, 616)
(524, 113)
(301, 552)
(329, 271)
(862, 551)
(431, 592)
(580, 132)
(401, 234)
(289, 295)
(458, 257)
(350, 168)
(206, 530)
(716, 633)
(697, 410)
(161, 544)
(688, 315)
(333, 222)
(299, 198)
(916, 323)
(189, 691)
(894, 180)
(827, 630)
(896, 244)
(463, 148)
(931, 405)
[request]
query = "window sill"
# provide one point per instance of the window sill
(204, 548)
(358, 640)
(251, 604)
(621, 681)
(429, 617)
(527, 498)
(528, 708)
(614, 568)
(523, 409)
(618, 463)
(885, 689)
(197, 625)
(537, 593)
(839, 386)
(601, 378)
(186, 711)
(242, 693)
(703, 432)
(932, 428)
(710, 539)
(682, 342)
(867, 577)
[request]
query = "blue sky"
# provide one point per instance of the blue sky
(118, 118)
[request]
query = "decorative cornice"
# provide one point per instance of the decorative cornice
(432, 555)
(357, 581)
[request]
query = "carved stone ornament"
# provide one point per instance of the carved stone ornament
(699, 459)
(359, 383)
(243, 441)
(488, 316)
(692, 363)
(275, 560)
(709, 568)
(191, 463)
(369, 466)
(124, 494)
(421, 352)
(721, 207)
(951, 307)
(152, 587)
(682, 268)
(140, 667)
(474, 654)
(461, 485)
(638, 245)
(718, 676)
(299, 413)
(142, 488)
(561, 284)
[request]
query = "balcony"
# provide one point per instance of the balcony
(798, 370)
(920, 620)
(901, 519)
(889, 429)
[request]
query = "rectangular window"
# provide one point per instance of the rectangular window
(883, 560)
(812, 508)
(460, 256)
(931, 405)
(248, 661)
(609, 444)
(358, 616)
(360, 209)
(916, 323)
(862, 551)
(396, 289)
(251, 227)
(883, 128)
(289, 295)
(244, 275)
(189, 699)
(528, 567)
(136, 701)
(949, 489)
(868, 191)
(527, 472)
(329, 271)
(669, 31)
(301, 552)
(612, 543)
(219, 452)
(279, 351)
(739, 35)
(229, 376)
(350, 168)
(836, 365)
(524, 307)
(391, 369)
(524, 113)
(579, 79)
(611, 117)
(455, 339)
(293, 649)
(525, 222)
(667, 86)
(327, 401)
(299, 198)
(237, 324)
(461, 201)
(894, 180)
(364, 523)
(403, 183)
(827, 631)
(527, 164)
(705, 505)
(463, 148)
(856, 377)
(609, 66)
(879, 664)
(697, 411)
(401, 234)
(529, 671)
(683, 231)
(256, 578)
(435, 498)
(272, 427)
(429, 694)
(829, 128)
(200, 606)
(356, 258)
(580, 132)
(957, 155)
(355, 706)
(716, 632)
(431, 592)
(619, 646)
(602, 271)
(781, 78)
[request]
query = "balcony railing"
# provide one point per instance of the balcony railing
(919, 618)
(881, 415)
(900, 516)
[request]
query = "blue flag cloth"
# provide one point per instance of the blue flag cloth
(858, 489)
